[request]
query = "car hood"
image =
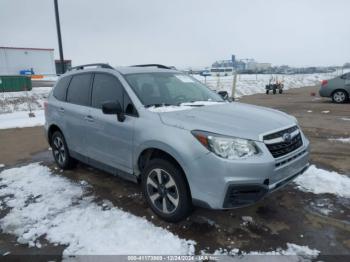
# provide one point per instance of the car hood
(230, 119)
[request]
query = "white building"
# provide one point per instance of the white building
(15, 59)
(255, 66)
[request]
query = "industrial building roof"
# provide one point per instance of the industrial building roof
(27, 48)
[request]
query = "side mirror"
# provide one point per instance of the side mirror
(113, 108)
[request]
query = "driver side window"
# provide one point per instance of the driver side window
(106, 88)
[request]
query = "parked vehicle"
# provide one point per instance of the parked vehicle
(179, 139)
(337, 88)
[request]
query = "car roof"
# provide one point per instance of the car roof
(125, 70)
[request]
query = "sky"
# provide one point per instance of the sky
(183, 33)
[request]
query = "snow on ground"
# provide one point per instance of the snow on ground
(21, 119)
(345, 119)
(341, 139)
(21, 101)
(293, 252)
(252, 84)
(319, 181)
(46, 205)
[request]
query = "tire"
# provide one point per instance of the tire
(274, 91)
(172, 203)
(267, 92)
(340, 96)
(60, 151)
(280, 91)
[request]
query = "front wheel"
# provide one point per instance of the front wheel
(339, 96)
(280, 91)
(166, 191)
(274, 91)
(60, 151)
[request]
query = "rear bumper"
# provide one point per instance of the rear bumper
(325, 92)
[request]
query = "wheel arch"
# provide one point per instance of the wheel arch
(152, 152)
(340, 89)
(52, 129)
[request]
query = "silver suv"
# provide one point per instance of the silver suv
(179, 139)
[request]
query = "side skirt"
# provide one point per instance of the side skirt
(102, 166)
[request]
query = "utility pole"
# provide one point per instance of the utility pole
(59, 37)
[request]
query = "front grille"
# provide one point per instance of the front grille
(280, 133)
(279, 149)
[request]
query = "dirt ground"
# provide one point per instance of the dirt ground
(287, 216)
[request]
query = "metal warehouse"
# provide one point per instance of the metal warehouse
(13, 60)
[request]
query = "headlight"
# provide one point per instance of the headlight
(227, 147)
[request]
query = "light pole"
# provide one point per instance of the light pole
(59, 36)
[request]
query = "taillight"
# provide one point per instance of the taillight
(324, 82)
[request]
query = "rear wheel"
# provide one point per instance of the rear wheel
(340, 96)
(60, 151)
(267, 91)
(274, 91)
(280, 91)
(166, 191)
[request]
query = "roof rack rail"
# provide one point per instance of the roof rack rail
(154, 65)
(81, 67)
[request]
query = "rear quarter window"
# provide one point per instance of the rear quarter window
(60, 90)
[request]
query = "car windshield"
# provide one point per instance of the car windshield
(162, 89)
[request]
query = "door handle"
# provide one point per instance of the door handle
(89, 118)
(61, 109)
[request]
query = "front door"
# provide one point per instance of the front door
(109, 141)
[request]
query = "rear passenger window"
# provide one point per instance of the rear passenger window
(60, 90)
(79, 90)
(106, 88)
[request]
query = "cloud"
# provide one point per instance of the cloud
(181, 32)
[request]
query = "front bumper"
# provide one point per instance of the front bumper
(220, 184)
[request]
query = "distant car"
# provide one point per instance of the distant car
(337, 88)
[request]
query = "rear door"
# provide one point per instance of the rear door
(109, 141)
(76, 110)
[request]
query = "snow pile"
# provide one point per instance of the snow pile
(183, 106)
(21, 119)
(293, 251)
(319, 181)
(341, 139)
(255, 83)
(18, 101)
(46, 205)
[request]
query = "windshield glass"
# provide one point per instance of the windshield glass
(157, 89)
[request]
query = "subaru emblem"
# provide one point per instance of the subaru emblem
(287, 137)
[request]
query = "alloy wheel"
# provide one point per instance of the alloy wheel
(162, 191)
(59, 150)
(339, 96)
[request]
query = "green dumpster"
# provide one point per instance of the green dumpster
(15, 83)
